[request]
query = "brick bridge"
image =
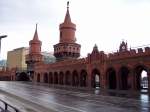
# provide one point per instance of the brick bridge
(120, 70)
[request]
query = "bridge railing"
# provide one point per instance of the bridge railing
(6, 106)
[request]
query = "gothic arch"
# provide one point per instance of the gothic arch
(68, 78)
(75, 78)
(137, 77)
(45, 78)
(51, 78)
(124, 77)
(83, 78)
(111, 78)
(95, 78)
(55, 78)
(61, 78)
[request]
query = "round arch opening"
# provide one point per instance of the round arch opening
(83, 78)
(141, 78)
(111, 78)
(95, 79)
(38, 77)
(75, 78)
(46, 78)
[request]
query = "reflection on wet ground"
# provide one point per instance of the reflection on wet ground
(70, 99)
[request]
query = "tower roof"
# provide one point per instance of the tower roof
(35, 37)
(95, 49)
(67, 17)
(36, 34)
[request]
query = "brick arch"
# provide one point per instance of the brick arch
(111, 78)
(56, 78)
(83, 78)
(38, 77)
(45, 77)
(68, 78)
(95, 73)
(51, 78)
(124, 77)
(137, 74)
(61, 78)
(75, 78)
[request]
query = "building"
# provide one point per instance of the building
(2, 64)
(16, 58)
(120, 70)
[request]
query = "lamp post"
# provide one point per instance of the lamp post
(3, 36)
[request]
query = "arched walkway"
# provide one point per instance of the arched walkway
(75, 78)
(68, 78)
(83, 78)
(38, 77)
(45, 78)
(111, 78)
(124, 77)
(95, 78)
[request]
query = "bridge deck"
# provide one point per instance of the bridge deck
(29, 97)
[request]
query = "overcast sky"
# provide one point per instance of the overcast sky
(102, 22)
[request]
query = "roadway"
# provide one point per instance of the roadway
(36, 97)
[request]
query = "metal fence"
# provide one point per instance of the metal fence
(7, 107)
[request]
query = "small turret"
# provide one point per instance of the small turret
(34, 55)
(123, 47)
(35, 44)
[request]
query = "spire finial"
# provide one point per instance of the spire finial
(35, 34)
(36, 25)
(68, 5)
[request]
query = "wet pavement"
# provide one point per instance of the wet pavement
(37, 97)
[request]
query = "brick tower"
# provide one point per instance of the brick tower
(34, 55)
(67, 48)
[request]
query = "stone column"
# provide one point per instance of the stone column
(132, 79)
(89, 73)
(103, 81)
(41, 77)
(35, 77)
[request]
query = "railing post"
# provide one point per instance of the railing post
(5, 106)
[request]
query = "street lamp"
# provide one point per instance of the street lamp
(3, 36)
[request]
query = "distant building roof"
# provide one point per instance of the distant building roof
(48, 57)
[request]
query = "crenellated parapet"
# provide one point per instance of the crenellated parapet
(131, 53)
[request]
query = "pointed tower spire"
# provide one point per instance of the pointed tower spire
(35, 43)
(67, 17)
(36, 34)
